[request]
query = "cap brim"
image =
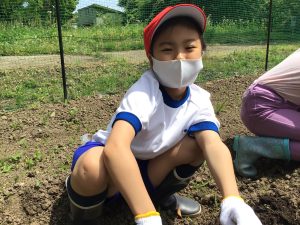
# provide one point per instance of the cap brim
(188, 11)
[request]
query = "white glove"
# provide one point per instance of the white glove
(150, 218)
(234, 211)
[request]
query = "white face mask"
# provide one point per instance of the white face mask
(177, 73)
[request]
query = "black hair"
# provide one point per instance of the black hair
(179, 20)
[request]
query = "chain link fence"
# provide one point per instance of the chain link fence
(52, 46)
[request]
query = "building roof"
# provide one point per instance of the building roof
(115, 9)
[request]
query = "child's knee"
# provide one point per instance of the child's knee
(89, 176)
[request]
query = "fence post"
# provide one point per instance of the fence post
(61, 49)
(269, 34)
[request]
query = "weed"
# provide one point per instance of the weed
(8, 164)
(216, 201)
(5, 167)
(23, 143)
(16, 125)
(73, 115)
(37, 156)
(15, 158)
(220, 107)
(64, 166)
(32, 161)
(16, 179)
(37, 184)
(73, 112)
(29, 163)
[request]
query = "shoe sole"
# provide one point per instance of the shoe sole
(194, 214)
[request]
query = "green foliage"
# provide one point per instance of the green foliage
(286, 16)
(6, 165)
(31, 161)
(240, 62)
(35, 11)
(107, 76)
(220, 107)
(26, 40)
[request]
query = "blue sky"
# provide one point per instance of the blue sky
(109, 3)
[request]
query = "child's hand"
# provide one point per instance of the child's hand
(234, 211)
(150, 218)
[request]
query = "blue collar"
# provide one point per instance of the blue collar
(171, 102)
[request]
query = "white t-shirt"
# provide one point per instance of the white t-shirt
(159, 121)
(284, 78)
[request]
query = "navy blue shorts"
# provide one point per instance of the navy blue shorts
(82, 149)
(143, 164)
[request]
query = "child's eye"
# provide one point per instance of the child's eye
(166, 50)
(190, 47)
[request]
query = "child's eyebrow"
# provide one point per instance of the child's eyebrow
(189, 40)
(172, 43)
(166, 43)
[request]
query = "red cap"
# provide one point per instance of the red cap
(188, 10)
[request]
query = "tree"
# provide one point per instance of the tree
(35, 11)
(144, 10)
(9, 9)
(131, 10)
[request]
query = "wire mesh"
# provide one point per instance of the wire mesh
(94, 30)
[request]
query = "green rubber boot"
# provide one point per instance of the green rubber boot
(84, 215)
(248, 149)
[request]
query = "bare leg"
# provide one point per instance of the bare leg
(184, 152)
(89, 176)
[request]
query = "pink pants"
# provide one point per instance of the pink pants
(265, 113)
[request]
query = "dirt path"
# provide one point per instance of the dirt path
(136, 56)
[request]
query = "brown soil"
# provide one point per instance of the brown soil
(35, 194)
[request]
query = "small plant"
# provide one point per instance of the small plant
(16, 125)
(16, 178)
(216, 201)
(16, 158)
(64, 166)
(32, 161)
(29, 163)
(37, 184)
(23, 143)
(5, 167)
(220, 107)
(8, 164)
(73, 114)
(37, 156)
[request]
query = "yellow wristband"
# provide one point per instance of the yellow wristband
(148, 214)
(233, 196)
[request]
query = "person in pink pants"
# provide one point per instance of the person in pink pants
(271, 110)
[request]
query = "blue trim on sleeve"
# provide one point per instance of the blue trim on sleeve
(130, 118)
(206, 125)
(171, 102)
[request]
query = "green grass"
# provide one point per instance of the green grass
(243, 62)
(32, 87)
(29, 40)
(22, 40)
